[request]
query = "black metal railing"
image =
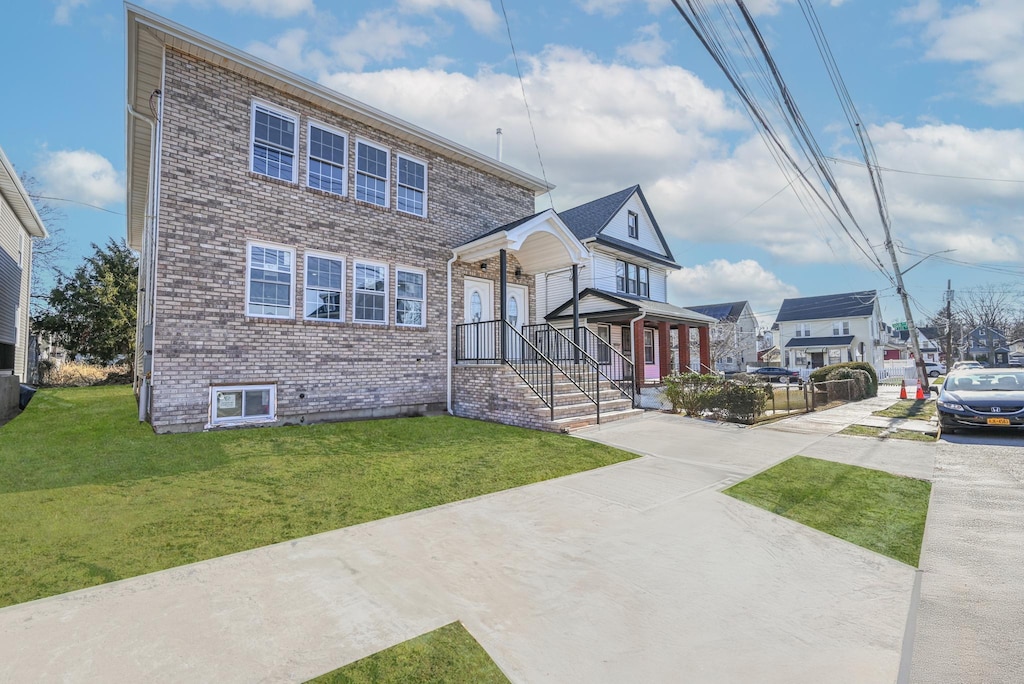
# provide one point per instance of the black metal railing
(612, 364)
(572, 360)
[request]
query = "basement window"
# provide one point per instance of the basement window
(243, 404)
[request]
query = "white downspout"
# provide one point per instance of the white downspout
(144, 388)
(448, 402)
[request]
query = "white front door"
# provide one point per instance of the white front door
(478, 341)
(517, 312)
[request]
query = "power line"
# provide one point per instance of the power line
(852, 162)
(84, 204)
(529, 116)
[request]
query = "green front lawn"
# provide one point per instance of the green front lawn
(89, 495)
(916, 409)
(876, 510)
(448, 655)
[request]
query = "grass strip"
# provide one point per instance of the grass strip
(882, 512)
(89, 495)
(914, 409)
(448, 655)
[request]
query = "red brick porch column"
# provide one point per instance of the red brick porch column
(684, 347)
(638, 352)
(664, 353)
(705, 348)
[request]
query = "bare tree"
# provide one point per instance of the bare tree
(48, 252)
(993, 306)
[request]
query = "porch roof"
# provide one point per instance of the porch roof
(541, 242)
(620, 306)
(841, 341)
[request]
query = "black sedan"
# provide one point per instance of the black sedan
(774, 374)
(982, 398)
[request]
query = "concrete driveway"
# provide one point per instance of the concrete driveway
(642, 571)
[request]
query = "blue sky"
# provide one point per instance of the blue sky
(620, 93)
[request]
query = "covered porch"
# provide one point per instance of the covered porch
(816, 352)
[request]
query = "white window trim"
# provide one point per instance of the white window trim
(418, 271)
(305, 284)
(248, 267)
(242, 420)
(310, 124)
(630, 213)
(278, 111)
(387, 178)
(364, 262)
(426, 181)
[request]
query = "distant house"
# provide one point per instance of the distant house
(820, 331)
(929, 339)
(19, 223)
(988, 345)
(734, 337)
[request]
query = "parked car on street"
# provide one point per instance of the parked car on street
(982, 398)
(960, 365)
(775, 374)
(934, 370)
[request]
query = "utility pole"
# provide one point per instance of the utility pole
(949, 325)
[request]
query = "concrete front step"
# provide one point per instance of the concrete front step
(579, 422)
(584, 409)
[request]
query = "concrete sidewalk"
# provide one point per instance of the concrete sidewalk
(642, 571)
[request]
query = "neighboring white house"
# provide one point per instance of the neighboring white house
(820, 331)
(19, 223)
(734, 342)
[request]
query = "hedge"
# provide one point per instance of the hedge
(821, 374)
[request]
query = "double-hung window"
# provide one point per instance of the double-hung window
(325, 292)
(631, 279)
(841, 328)
(644, 289)
(410, 297)
(326, 159)
(648, 347)
(370, 301)
(412, 186)
(620, 276)
(803, 330)
(273, 142)
(270, 281)
(371, 174)
(633, 224)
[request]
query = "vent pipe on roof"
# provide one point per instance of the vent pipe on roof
(498, 155)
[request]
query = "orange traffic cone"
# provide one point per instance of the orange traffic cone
(903, 390)
(920, 392)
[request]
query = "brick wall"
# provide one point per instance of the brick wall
(211, 204)
(495, 393)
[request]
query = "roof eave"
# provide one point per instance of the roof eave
(19, 200)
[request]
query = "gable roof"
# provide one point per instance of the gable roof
(588, 220)
(730, 311)
(147, 36)
(845, 305)
(17, 197)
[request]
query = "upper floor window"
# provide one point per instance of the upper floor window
(371, 174)
(841, 328)
(633, 223)
(273, 142)
(326, 159)
(803, 330)
(410, 297)
(325, 295)
(269, 282)
(370, 302)
(632, 279)
(412, 186)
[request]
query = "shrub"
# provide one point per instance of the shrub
(821, 374)
(73, 374)
(692, 392)
(852, 383)
(741, 402)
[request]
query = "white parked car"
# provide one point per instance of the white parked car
(934, 370)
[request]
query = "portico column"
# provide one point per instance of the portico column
(705, 348)
(503, 288)
(684, 348)
(638, 352)
(576, 310)
(664, 352)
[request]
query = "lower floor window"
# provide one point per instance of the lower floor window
(237, 404)
(649, 347)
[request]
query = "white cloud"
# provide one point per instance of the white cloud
(62, 12)
(82, 176)
(648, 49)
(726, 281)
(479, 13)
(377, 37)
(988, 34)
(277, 9)
(608, 8)
(289, 50)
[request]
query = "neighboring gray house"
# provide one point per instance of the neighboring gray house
(306, 257)
(19, 223)
(734, 337)
(820, 331)
(988, 345)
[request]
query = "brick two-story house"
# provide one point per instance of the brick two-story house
(306, 257)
